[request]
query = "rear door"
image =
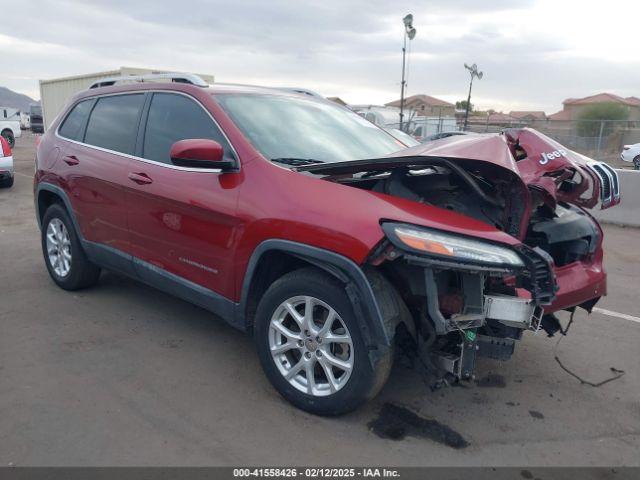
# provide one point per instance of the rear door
(181, 220)
(95, 161)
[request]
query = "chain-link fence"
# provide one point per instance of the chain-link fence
(599, 139)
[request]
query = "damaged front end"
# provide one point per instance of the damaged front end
(466, 295)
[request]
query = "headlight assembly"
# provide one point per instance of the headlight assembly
(450, 246)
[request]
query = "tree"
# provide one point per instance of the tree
(462, 105)
(592, 117)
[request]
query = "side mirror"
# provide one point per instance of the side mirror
(199, 153)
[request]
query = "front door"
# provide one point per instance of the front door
(182, 220)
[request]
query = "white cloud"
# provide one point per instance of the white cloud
(534, 53)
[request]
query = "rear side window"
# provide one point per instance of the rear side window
(176, 117)
(72, 126)
(114, 123)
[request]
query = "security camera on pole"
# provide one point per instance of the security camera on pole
(409, 32)
(473, 71)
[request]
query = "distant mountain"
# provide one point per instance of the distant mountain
(9, 98)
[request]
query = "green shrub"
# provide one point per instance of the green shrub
(590, 119)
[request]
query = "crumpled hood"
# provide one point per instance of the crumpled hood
(527, 170)
(541, 162)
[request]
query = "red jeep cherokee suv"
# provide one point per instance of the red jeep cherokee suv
(299, 221)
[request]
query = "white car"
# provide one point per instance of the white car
(10, 130)
(25, 121)
(6, 164)
(381, 115)
(631, 154)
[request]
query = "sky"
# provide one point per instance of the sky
(533, 53)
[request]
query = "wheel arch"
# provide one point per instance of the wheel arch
(273, 258)
(46, 195)
(9, 130)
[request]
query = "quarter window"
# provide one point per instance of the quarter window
(72, 126)
(175, 117)
(114, 123)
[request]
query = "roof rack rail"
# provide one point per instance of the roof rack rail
(152, 77)
(302, 91)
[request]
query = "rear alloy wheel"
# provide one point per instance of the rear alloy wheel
(64, 257)
(636, 163)
(311, 346)
(58, 247)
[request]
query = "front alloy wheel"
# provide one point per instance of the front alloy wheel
(311, 346)
(63, 254)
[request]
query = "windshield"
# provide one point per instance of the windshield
(405, 138)
(287, 127)
(390, 117)
(35, 110)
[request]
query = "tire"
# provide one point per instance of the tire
(9, 137)
(6, 183)
(81, 273)
(636, 163)
(312, 289)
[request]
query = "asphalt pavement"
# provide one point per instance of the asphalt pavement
(121, 374)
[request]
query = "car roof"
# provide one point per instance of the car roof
(213, 89)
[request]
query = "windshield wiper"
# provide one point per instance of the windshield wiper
(296, 162)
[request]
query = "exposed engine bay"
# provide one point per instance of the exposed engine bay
(456, 309)
(464, 311)
(565, 232)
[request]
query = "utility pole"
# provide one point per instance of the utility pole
(410, 32)
(473, 71)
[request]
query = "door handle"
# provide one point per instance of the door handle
(140, 178)
(71, 160)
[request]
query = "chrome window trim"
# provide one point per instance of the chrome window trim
(146, 160)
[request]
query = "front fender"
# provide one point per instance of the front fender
(357, 286)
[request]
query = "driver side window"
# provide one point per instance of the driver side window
(173, 117)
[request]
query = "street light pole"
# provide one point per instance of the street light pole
(473, 71)
(410, 32)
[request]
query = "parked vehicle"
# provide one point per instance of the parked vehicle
(37, 121)
(438, 136)
(10, 130)
(425, 127)
(302, 223)
(381, 115)
(631, 153)
(405, 138)
(9, 113)
(25, 121)
(6, 164)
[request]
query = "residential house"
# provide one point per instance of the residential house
(572, 108)
(528, 115)
(493, 118)
(425, 105)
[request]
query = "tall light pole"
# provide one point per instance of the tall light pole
(473, 71)
(409, 32)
